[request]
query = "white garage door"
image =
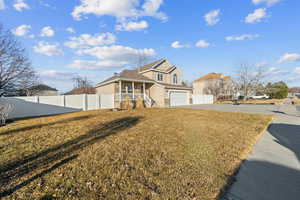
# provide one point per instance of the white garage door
(178, 98)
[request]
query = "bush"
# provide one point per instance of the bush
(278, 90)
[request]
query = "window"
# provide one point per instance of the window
(175, 79)
(160, 77)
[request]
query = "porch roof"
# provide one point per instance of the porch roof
(127, 75)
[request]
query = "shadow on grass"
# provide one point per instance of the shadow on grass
(265, 180)
(27, 128)
(59, 154)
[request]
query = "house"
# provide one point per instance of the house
(216, 84)
(158, 83)
(294, 92)
(41, 90)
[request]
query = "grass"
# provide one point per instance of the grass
(296, 101)
(144, 154)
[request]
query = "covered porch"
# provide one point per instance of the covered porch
(133, 90)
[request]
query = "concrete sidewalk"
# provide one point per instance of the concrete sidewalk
(272, 171)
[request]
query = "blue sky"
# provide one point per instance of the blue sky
(95, 38)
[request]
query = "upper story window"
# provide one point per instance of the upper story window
(160, 77)
(175, 79)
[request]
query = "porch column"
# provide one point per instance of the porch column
(133, 97)
(144, 89)
(120, 91)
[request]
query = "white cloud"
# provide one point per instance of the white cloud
(119, 9)
(151, 8)
(112, 56)
(257, 16)
(22, 30)
(268, 2)
(297, 70)
(177, 45)
(289, 57)
(97, 65)
(48, 49)
(275, 71)
(20, 5)
(71, 30)
(87, 40)
(212, 17)
(262, 64)
(2, 5)
(242, 37)
(132, 26)
(202, 44)
(47, 32)
(116, 52)
(56, 74)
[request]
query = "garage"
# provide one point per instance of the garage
(178, 98)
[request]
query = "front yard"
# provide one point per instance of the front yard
(146, 154)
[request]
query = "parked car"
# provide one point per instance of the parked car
(260, 97)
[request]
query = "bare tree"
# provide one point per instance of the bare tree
(249, 79)
(82, 86)
(27, 85)
(81, 82)
(215, 88)
(15, 68)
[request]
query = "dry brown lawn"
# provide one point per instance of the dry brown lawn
(144, 154)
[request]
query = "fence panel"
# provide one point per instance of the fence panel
(93, 102)
(52, 100)
(203, 99)
(107, 101)
(75, 101)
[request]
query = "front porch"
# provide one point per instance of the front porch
(133, 90)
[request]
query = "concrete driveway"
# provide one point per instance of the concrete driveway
(272, 171)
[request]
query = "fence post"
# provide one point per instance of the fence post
(84, 105)
(98, 103)
(63, 102)
(37, 100)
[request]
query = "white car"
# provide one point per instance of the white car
(260, 97)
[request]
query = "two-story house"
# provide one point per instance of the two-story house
(158, 83)
(216, 84)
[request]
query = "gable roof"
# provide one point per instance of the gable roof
(152, 65)
(126, 75)
(212, 76)
(41, 87)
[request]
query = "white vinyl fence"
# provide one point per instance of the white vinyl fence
(51, 105)
(203, 99)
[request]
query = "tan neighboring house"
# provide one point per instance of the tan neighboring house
(216, 84)
(42, 90)
(158, 83)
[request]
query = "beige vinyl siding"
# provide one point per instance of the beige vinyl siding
(106, 89)
(157, 93)
(198, 87)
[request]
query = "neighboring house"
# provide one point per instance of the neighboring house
(216, 84)
(42, 90)
(294, 92)
(158, 83)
